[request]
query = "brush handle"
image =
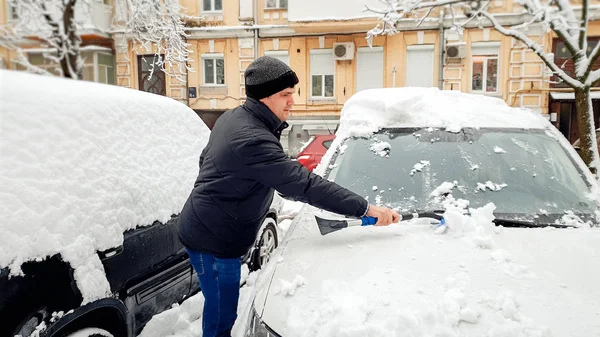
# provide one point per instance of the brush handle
(368, 220)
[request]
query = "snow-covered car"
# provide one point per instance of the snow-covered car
(518, 255)
(93, 177)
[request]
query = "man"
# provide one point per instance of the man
(240, 167)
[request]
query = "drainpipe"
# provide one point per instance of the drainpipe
(442, 48)
(255, 3)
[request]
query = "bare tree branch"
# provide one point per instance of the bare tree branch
(583, 26)
(533, 46)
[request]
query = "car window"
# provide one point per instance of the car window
(327, 143)
(522, 173)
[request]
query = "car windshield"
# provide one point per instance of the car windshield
(525, 173)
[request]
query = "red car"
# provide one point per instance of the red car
(312, 154)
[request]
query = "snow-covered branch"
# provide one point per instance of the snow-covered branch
(534, 46)
(569, 25)
(53, 23)
(157, 27)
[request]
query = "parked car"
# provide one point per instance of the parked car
(518, 255)
(93, 177)
(311, 155)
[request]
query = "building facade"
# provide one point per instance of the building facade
(325, 43)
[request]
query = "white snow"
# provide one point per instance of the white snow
(488, 185)
(288, 288)
(498, 149)
(83, 162)
(382, 149)
(474, 280)
(445, 188)
(369, 110)
(419, 166)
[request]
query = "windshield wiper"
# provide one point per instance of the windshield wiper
(525, 223)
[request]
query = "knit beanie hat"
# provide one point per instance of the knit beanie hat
(268, 75)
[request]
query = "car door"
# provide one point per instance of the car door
(150, 272)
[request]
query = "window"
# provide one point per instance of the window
(152, 81)
(212, 5)
(322, 70)
(484, 67)
(277, 3)
(281, 55)
(106, 68)
(562, 57)
(13, 11)
(214, 69)
(420, 66)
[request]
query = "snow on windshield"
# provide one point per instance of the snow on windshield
(83, 162)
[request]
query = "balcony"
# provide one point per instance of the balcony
(93, 19)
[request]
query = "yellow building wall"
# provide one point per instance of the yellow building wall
(229, 16)
(215, 97)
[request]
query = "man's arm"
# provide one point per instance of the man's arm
(268, 164)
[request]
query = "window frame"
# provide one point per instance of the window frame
(214, 57)
(278, 53)
(486, 57)
(277, 5)
(11, 10)
(322, 97)
(212, 7)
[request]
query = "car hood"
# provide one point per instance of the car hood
(476, 280)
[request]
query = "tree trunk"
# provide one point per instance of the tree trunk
(70, 62)
(587, 132)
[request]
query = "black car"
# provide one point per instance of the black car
(149, 270)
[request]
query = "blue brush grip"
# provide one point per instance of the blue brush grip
(368, 220)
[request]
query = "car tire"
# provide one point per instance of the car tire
(267, 243)
(89, 332)
(29, 323)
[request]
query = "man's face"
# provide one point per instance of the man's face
(281, 103)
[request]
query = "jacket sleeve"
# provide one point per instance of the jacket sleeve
(266, 162)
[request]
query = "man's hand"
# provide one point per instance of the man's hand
(384, 215)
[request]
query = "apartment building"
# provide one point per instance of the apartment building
(325, 43)
(97, 47)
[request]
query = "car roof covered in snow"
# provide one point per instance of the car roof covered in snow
(370, 110)
(82, 162)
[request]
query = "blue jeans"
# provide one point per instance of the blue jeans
(220, 285)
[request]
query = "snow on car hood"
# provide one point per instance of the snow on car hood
(82, 162)
(475, 280)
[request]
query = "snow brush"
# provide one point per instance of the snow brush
(327, 226)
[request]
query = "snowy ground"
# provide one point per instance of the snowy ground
(185, 320)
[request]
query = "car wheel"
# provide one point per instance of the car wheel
(30, 323)
(267, 244)
(89, 332)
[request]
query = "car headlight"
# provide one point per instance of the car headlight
(257, 328)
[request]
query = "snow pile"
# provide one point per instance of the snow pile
(382, 149)
(498, 149)
(572, 220)
(84, 162)
(185, 320)
(445, 188)
(419, 167)
(289, 288)
(490, 186)
(369, 110)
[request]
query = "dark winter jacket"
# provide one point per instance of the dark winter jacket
(240, 167)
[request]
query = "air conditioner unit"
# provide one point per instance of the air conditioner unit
(343, 51)
(456, 50)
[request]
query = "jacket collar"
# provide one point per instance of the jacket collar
(265, 114)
